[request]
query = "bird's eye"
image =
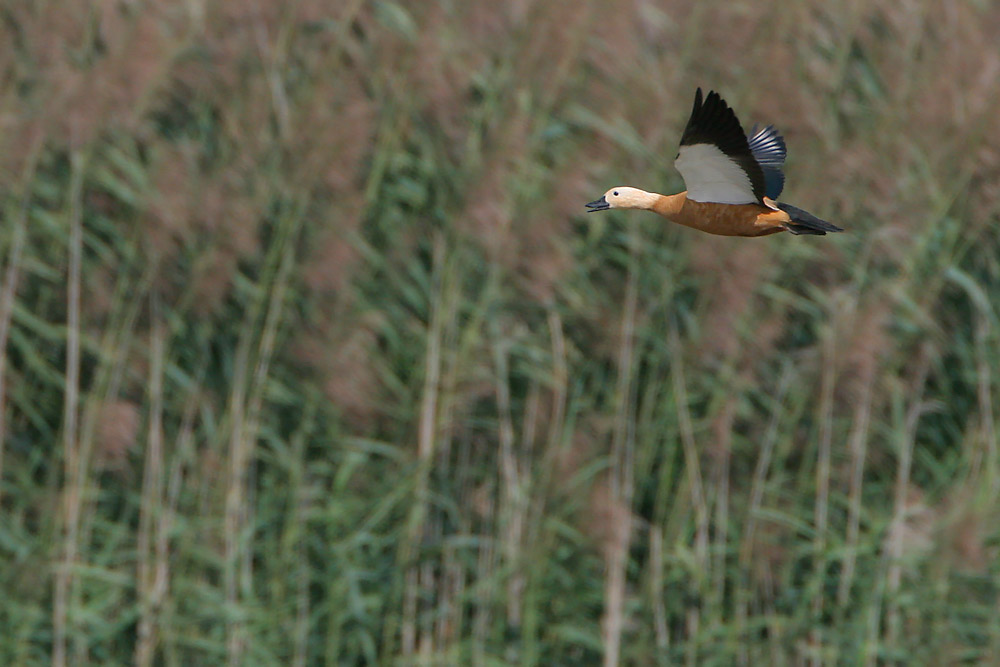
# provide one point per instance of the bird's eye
(615, 193)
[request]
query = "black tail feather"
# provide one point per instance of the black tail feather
(804, 222)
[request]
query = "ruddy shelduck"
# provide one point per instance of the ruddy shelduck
(733, 180)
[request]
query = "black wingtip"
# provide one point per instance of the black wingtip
(714, 122)
(697, 102)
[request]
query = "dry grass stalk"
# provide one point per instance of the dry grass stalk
(721, 453)
(72, 468)
(274, 316)
(622, 461)
(513, 505)
(611, 518)
(821, 511)
(897, 534)
(426, 439)
(486, 564)
(691, 459)
(860, 379)
(698, 500)
(235, 510)
(151, 509)
(987, 454)
(760, 554)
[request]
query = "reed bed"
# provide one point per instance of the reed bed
(310, 355)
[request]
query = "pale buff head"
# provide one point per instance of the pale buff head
(622, 197)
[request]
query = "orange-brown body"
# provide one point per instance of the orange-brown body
(721, 219)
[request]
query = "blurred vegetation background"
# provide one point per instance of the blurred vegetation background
(311, 357)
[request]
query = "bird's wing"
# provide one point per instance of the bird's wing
(715, 158)
(768, 148)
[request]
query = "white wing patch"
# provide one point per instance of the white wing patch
(710, 176)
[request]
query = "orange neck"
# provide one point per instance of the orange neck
(669, 205)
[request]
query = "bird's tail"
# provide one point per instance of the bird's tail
(804, 222)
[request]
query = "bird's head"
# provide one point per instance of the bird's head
(621, 197)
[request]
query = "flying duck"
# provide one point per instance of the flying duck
(733, 180)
